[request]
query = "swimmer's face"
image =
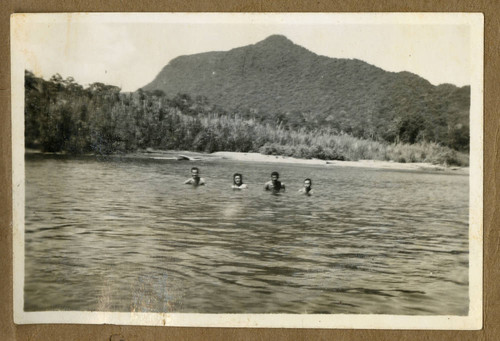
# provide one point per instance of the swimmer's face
(307, 184)
(194, 173)
(274, 177)
(237, 180)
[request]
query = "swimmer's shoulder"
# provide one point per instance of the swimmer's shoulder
(303, 191)
(243, 186)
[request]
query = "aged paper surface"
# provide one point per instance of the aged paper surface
(472, 321)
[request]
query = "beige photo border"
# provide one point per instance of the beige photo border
(472, 321)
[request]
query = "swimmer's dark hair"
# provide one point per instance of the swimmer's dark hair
(195, 168)
(275, 173)
(310, 181)
(235, 175)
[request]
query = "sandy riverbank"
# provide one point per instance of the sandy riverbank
(256, 157)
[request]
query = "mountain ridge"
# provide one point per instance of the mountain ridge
(276, 79)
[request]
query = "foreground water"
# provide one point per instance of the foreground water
(127, 235)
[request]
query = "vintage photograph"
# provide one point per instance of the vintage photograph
(248, 170)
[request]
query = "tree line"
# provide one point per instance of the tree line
(63, 116)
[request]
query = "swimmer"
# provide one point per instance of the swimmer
(195, 178)
(238, 182)
(274, 185)
(307, 189)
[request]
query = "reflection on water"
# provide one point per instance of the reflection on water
(129, 236)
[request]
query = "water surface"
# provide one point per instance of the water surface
(127, 235)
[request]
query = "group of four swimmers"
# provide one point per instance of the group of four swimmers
(274, 185)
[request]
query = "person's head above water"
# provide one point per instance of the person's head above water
(195, 178)
(308, 183)
(274, 185)
(275, 176)
(237, 179)
(195, 172)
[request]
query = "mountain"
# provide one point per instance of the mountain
(277, 80)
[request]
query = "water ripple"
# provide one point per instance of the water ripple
(129, 236)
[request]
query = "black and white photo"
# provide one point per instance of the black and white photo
(248, 170)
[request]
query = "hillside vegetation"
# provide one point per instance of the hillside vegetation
(277, 80)
(63, 116)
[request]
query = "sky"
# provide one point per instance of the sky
(130, 51)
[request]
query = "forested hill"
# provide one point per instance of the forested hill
(277, 80)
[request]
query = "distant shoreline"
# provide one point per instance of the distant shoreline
(257, 157)
(378, 164)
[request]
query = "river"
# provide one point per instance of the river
(128, 235)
